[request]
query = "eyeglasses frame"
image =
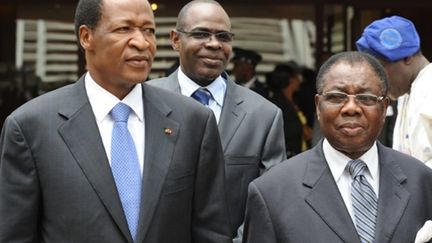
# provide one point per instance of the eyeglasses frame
(378, 98)
(215, 34)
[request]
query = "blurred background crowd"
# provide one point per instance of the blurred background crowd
(278, 47)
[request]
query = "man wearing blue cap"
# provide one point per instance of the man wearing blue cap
(395, 42)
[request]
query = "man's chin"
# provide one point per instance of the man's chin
(136, 79)
(209, 80)
(206, 78)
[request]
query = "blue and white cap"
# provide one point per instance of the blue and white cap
(392, 38)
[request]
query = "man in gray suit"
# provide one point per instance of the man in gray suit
(57, 179)
(348, 188)
(250, 127)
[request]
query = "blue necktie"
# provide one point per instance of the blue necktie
(202, 95)
(364, 201)
(125, 166)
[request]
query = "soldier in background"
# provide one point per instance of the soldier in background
(244, 70)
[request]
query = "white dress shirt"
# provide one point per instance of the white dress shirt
(250, 83)
(413, 128)
(102, 103)
(217, 90)
(424, 235)
(337, 162)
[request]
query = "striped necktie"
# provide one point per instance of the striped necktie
(364, 202)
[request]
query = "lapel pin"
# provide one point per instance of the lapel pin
(168, 131)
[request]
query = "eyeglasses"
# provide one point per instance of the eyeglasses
(339, 98)
(202, 35)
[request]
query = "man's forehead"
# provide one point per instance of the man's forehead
(346, 66)
(206, 14)
(344, 72)
(120, 12)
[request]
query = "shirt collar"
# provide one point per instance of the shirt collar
(251, 82)
(217, 88)
(103, 101)
(423, 72)
(337, 161)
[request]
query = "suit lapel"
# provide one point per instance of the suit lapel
(393, 198)
(171, 82)
(325, 199)
(159, 147)
(81, 134)
(231, 116)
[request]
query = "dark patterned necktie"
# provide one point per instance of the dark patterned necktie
(202, 95)
(364, 202)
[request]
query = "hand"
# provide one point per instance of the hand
(425, 233)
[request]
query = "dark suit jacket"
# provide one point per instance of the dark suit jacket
(56, 183)
(260, 88)
(251, 131)
(299, 201)
(293, 128)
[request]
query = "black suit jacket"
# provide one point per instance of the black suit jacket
(299, 201)
(56, 183)
(260, 88)
(293, 128)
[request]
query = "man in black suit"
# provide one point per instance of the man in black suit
(58, 182)
(348, 188)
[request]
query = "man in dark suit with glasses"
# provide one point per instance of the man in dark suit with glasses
(250, 127)
(349, 187)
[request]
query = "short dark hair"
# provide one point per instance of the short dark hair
(88, 12)
(281, 75)
(184, 11)
(352, 57)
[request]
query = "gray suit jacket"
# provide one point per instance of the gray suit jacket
(251, 131)
(299, 201)
(56, 183)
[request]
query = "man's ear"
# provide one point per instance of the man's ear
(175, 40)
(85, 37)
(408, 60)
(386, 103)
(317, 111)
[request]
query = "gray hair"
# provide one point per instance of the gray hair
(352, 57)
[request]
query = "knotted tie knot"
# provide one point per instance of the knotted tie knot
(202, 95)
(120, 112)
(356, 167)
